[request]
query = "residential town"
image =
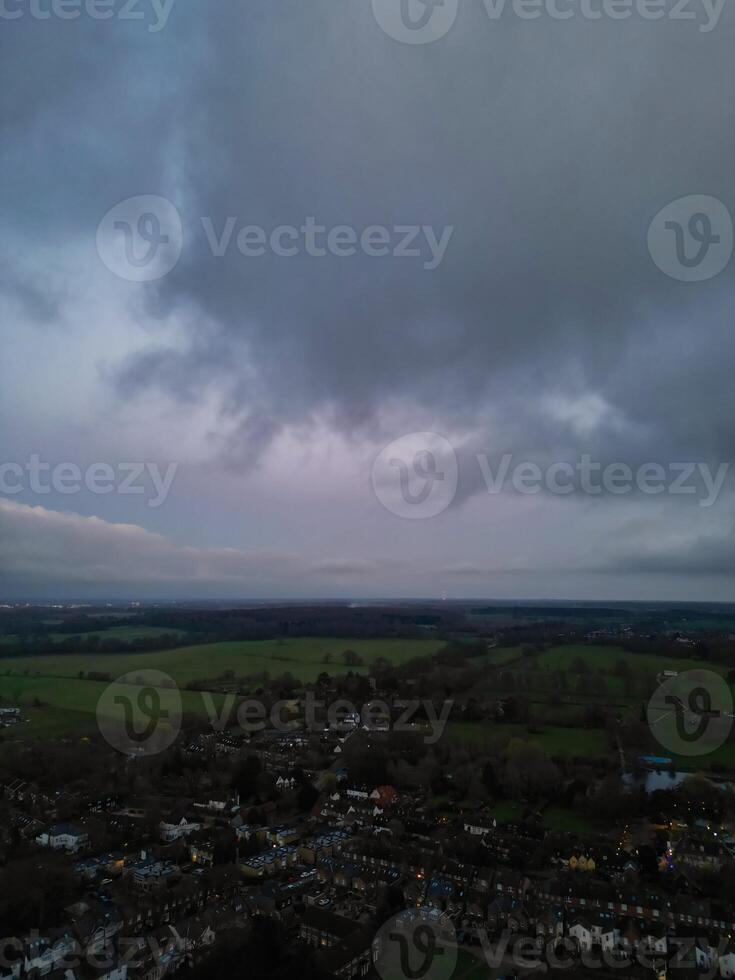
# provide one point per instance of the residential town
(140, 868)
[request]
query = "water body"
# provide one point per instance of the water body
(656, 779)
(663, 779)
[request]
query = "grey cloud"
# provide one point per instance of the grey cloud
(547, 285)
(40, 545)
(346, 566)
(244, 446)
(546, 331)
(678, 554)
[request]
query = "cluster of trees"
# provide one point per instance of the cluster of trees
(39, 630)
(33, 645)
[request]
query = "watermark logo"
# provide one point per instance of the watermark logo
(691, 239)
(415, 21)
(139, 714)
(691, 713)
(416, 475)
(424, 21)
(154, 13)
(423, 242)
(416, 944)
(140, 239)
(37, 476)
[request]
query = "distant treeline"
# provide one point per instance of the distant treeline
(38, 645)
(270, 622)
(79, 633)
(39, 630)
(642, 615)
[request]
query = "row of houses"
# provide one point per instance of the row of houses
(344, 946)
(62, 954)
(64, 837)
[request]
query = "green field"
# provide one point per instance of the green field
(554, 817)
(69, 705)
(304, 657)
(496, 657)
(605, 658)
(68, 702)
(568, 821)
(554, 739)
(50, 722)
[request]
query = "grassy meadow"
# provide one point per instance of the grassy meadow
(68, 702)
(554, 739)
(605, 658)
(58, 701)
(304, 657)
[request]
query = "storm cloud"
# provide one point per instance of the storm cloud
(546, 330)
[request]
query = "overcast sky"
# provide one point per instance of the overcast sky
(536, 320)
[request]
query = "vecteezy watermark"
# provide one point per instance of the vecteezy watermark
(141, 239)
(43, 478)
(154, 13)
(416, 944)
(341, 241)
(518, 953)
(415, 21)
(139, 714)
(417, 476)
(109, 954)
(691, 713)
(426, 21)
(691, 238)
(341, 715)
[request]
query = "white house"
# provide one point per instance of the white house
(174, 830)
(727, 961)
(605, 934)
(479, 828)
(148, 875)
(705, 953)
(654, 940)
(63, 837)
(44, 954)
(582, 933)
(193, 934)
(358, 794)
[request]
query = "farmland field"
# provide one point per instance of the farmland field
(553, 817)
(554, 739)
(68, 700)
(304, 657)
(496, 657)
(605, 658)
(61, 706)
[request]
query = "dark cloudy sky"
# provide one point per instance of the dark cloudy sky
(547, 331)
